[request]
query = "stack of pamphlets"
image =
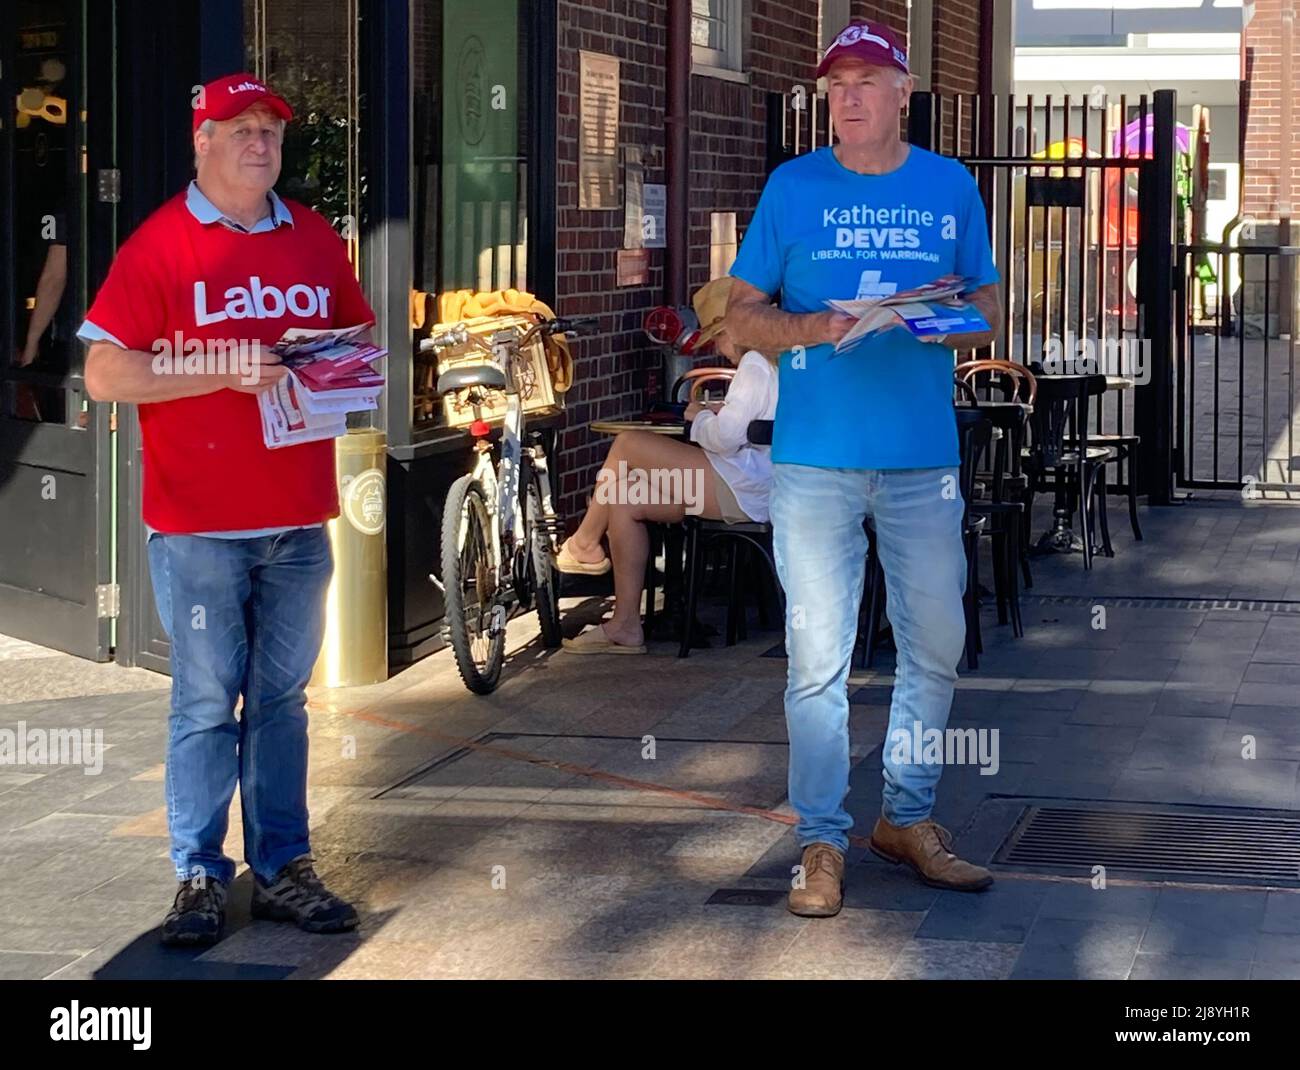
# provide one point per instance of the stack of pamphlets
(331, 373)
(932, 310)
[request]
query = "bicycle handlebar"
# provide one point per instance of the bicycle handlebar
(460, 335)
(574, 325)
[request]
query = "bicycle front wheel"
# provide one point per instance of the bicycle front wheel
(546, 577)
(475, 618)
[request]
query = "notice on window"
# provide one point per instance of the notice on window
(598, 109)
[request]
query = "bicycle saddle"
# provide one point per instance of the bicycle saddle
(484, 375)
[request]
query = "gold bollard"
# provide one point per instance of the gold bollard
(355, 650)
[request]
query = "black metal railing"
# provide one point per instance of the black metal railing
(1238, 311)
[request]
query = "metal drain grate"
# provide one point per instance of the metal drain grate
(1229, 605)
(1232, 847)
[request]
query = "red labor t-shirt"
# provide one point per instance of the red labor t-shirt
(206, 467)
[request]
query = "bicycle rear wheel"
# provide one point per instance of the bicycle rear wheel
(475, 619)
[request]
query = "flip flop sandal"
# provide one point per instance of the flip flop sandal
(595, 641)
(566, 562)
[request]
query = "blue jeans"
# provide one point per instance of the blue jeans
(817, 516)
(245, 617)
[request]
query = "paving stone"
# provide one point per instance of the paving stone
(1200, 669)
(1142, 782)
(1262, 694)
(1002, 914)
(966, 960)
(1283, 719)
(1157, 967)
(1279, 949)
(1074, 948)
(1181, 702)
(1264, 673)
(22, 966)
(1282, 913)
(1273, 971)
(1234, 781)
(1222, 925)
(1047, 696)
(1082, 902)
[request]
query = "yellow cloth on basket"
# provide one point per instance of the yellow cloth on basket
(467, 304)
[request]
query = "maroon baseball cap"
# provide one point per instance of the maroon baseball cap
(871, 42)
(234, 94)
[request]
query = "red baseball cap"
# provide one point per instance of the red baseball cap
(871, 42)
(234, 94)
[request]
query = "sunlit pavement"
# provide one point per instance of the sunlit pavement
(626, 817)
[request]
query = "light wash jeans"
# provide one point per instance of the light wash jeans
(821, 547)
(245, 616)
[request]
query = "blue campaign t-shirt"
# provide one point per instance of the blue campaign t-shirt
(822, 231)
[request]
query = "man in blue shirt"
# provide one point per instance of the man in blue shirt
(866, 432)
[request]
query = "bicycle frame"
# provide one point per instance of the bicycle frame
(503, 490)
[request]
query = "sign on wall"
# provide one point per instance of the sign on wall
(655, 215)
(598, 111)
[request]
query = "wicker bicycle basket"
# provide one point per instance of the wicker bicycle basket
(536, 389)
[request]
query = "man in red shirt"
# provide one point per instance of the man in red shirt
(238, 552)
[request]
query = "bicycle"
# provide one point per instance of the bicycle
(500, 533)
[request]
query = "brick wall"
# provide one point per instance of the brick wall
(1267, 70)
(617, 373)
(611, 368)
(955, 55)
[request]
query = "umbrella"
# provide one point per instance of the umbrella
(1134, 143)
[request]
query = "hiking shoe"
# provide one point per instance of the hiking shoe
(297, 895)
(823, 878)
(927, 848)
(198, 915)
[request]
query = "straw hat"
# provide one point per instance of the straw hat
(710, 303)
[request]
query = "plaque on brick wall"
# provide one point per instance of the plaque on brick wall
(598, 109)
(633, 267)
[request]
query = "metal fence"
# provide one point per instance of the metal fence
(1238, 309)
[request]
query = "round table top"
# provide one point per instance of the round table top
(617, 427)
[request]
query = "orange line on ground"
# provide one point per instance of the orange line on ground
(710, 802)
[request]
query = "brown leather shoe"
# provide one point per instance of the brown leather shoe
(823, 892)
(927, 848)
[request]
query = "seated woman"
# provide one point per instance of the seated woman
(728, 479)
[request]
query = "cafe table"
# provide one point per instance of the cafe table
(672, 429)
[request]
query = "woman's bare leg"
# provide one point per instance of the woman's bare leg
(629, 546)
(629, 451)
(629, 541)
(584, 544)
